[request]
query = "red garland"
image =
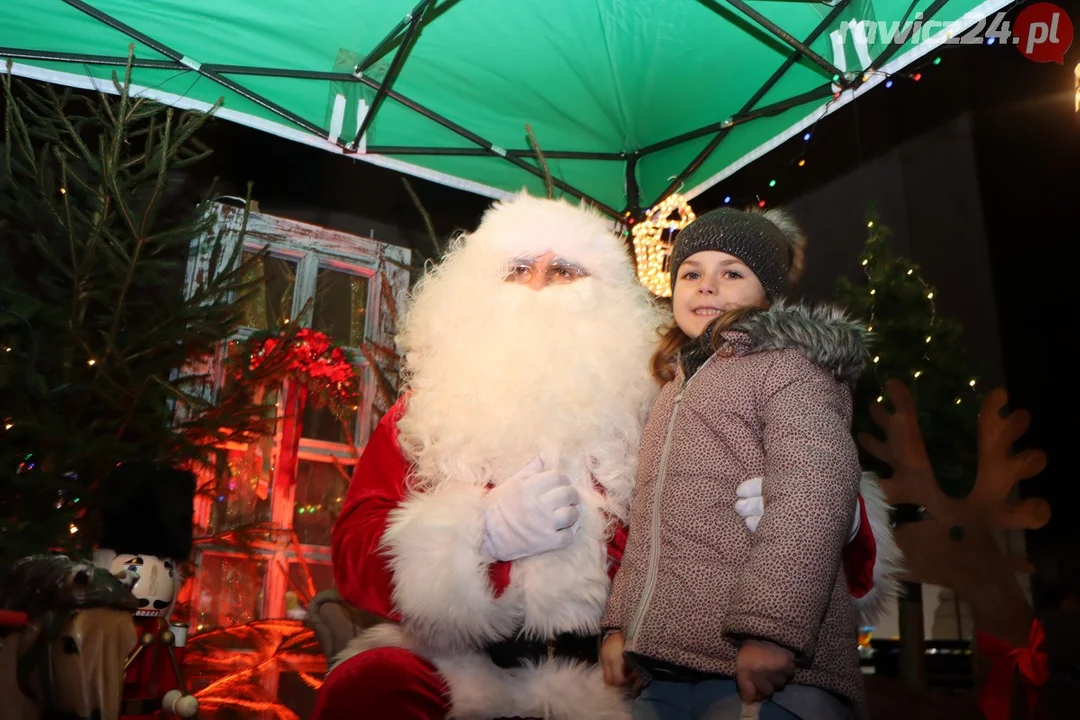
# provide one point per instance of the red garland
(1030, 663)
(310, 357)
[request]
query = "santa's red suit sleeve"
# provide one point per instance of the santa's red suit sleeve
(369, 566)
(361, 569)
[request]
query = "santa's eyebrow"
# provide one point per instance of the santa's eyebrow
(567, 265)
(134, 561)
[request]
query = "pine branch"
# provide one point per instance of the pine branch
(97, 234)
(542, 161)
(435, 243)
(387, 389)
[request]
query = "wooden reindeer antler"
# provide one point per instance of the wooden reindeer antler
(955, 547)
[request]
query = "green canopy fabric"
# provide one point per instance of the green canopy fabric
(629, 99)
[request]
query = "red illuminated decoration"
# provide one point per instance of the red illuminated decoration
(308, 357)
(309, 365)
(236, 678)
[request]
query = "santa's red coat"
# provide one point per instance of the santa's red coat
(382, 578)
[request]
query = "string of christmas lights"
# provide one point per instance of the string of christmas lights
(652, 235)
(929, 295)
(914, 74)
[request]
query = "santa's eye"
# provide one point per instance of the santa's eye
(133, 568)
(519, 273)
(565, 272)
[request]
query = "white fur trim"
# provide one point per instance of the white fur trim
(381, 635)
(550, 593)
(441, 586)
(527, 226)
(888, 562)
(480, 690)
(566, 590)
(440, 579)
(556, 690)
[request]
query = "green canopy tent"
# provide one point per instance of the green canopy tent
(629, 99)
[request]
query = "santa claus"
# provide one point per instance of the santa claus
(487, 513)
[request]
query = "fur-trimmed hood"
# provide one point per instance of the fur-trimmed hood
(823, 333)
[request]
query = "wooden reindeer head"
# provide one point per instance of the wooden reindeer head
(68, 660)
(955, 546)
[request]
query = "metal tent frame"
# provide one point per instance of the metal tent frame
(400, 39)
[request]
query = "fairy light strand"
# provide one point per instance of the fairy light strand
(928, 295)
(800, 160)
(652, 235)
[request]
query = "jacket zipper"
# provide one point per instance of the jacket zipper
(654, 557)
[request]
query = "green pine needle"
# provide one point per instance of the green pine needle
(100, 349)
(902, 317)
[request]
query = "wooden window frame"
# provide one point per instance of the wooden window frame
(312, 248)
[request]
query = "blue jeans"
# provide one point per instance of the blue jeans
(719, 700)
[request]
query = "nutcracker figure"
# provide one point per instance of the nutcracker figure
(146, 533)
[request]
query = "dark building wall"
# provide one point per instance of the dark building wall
(927, 192)
(1028, 140)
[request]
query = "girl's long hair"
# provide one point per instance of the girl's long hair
(664, 361)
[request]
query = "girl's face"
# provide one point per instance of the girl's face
(709, 284)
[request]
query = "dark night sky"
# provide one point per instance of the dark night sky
(1027, 145)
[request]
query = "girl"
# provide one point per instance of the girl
(703, 611)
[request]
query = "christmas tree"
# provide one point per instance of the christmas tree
(100, 343)
(912, 343)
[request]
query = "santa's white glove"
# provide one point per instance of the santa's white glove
(531, 513)
(751, 506)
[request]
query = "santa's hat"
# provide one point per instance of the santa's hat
(148, 510)
(527, 226)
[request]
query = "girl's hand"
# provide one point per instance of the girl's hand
(762, 669)
(611, 660)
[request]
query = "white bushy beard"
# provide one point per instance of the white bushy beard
(499, 374)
